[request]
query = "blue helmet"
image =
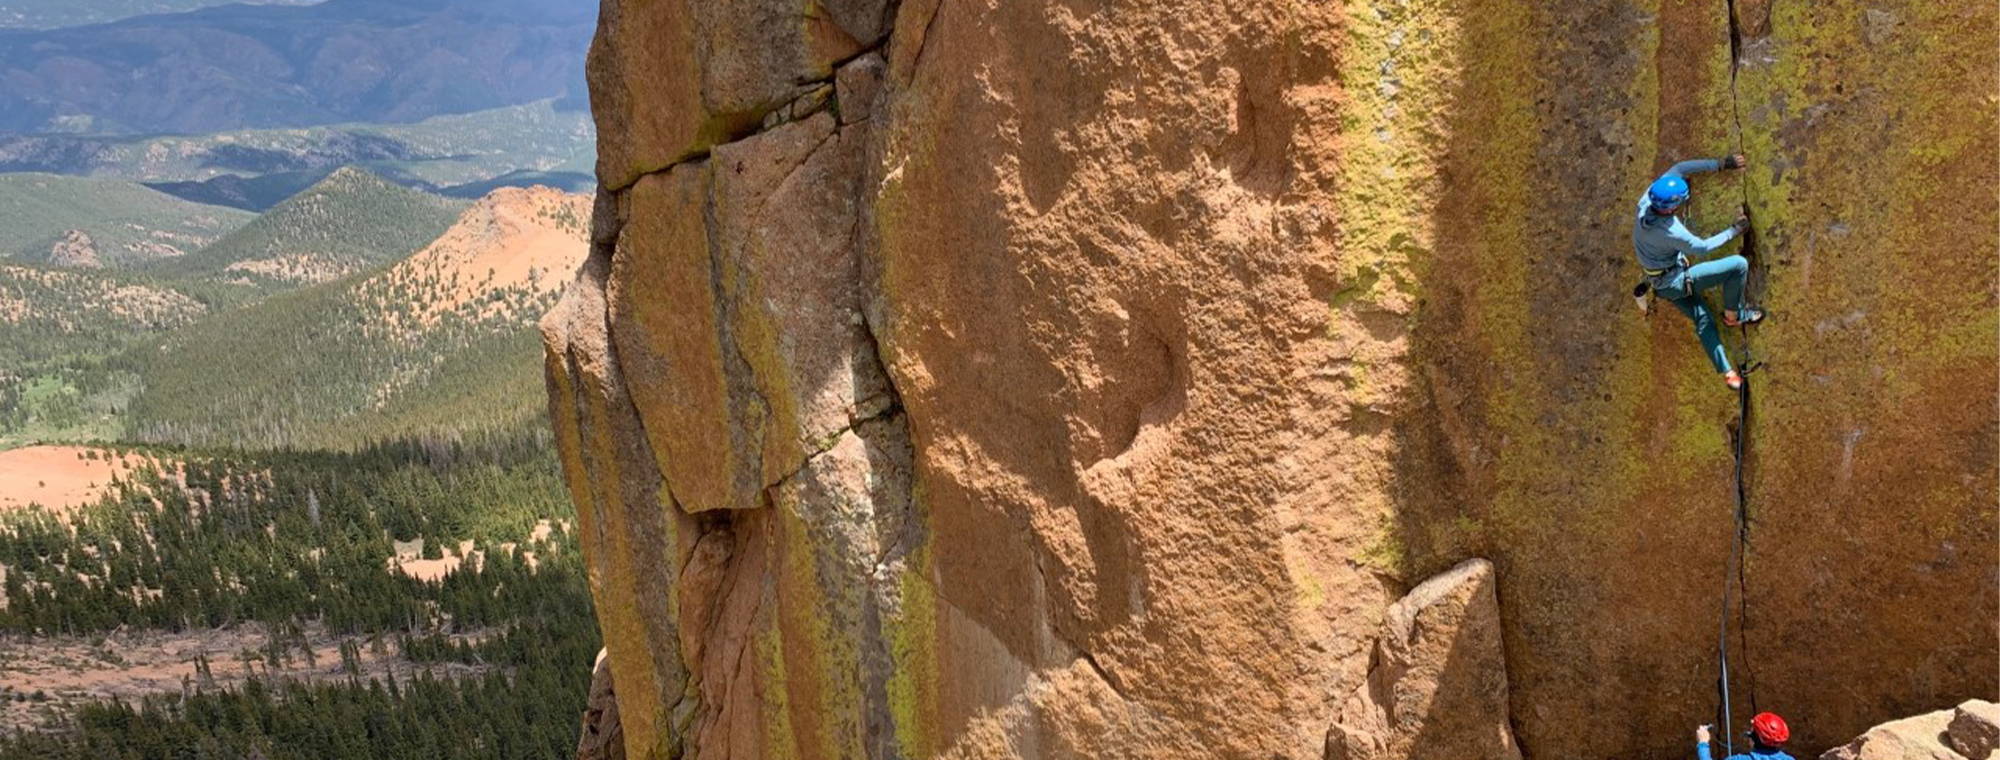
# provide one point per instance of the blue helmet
(1668, 192)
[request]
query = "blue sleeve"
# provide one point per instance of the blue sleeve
(1701, 751)
(1688, 243)
(1695, 166)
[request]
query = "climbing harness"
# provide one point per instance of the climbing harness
(1737, 554)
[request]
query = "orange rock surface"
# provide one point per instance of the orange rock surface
(1083, 379)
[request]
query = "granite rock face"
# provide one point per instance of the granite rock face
(1090, 379)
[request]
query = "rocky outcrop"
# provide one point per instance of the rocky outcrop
(1966, 732)
(74, 250)
(1974, 730)
(1079, 379)
(1437, 681)
(602, 737)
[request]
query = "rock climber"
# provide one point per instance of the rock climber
(1663, 244)
(1768, 732)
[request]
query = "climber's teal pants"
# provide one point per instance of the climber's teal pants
(1685, 294)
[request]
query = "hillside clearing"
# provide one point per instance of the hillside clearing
(61, 478)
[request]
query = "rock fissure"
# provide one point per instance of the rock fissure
(746, 401)
(825, 446)
(1740, 434)
(924, 36)
(1736, 115)
(1102, 674)
(761, 124)
(879, 46)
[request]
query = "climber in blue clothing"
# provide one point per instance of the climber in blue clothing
(1663, 245)
(1768, 732)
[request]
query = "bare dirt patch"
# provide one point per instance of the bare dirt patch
(526, 239)
(70, 671)
(61, 478)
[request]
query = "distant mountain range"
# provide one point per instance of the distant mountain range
(252, 66)
(260, 193)
(460, 155)
(49, 14)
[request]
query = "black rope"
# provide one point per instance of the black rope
(1743, 519)
(1722, 649)
(1738, 554)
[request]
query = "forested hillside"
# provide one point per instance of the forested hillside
(441, 341)
(346, 223)
(298, 542)
(90, 223)
(65, 371)
(257, 168)
(419, 595)
(73, 339)
(275, 480)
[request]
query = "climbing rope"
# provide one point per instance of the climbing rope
(1734, 572)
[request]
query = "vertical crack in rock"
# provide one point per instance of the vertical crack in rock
(893, 540)
(1749, 245)
(629, 546)
(1736, 113)
(1740, 432)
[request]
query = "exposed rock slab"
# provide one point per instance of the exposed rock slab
(602, 737)
(74, 250)
(1967, 731)
(1437, 682)
(633, 541)
(748, 333)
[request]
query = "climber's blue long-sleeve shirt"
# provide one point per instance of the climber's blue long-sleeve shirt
(1701, 753)
(1660, 239)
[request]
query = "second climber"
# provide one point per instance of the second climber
(1768, 734)
(1663, 244)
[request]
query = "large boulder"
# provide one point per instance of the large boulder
(1967, 732)
(1974, 730)
(1437, 683)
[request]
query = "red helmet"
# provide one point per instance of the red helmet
(1770, 729)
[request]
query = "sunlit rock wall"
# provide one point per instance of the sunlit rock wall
(1087, 379)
